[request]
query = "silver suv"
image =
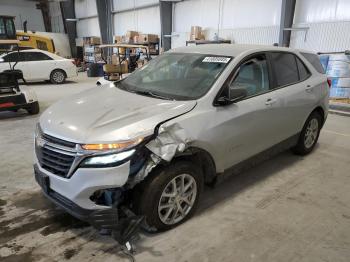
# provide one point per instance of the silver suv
(145, 146)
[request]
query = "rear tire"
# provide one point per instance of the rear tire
(34, 109)
(309, 135)
(57, 76)
(163, 201)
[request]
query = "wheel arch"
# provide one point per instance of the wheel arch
(320, 110)
(202, 159)
(60, 69)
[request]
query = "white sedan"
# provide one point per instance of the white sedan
(39, 65)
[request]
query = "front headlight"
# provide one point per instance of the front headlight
(113, 146)
(107, 160)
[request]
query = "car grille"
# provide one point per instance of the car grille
(55, 155)
(58, 141)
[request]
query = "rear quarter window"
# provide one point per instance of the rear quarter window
(315, 61)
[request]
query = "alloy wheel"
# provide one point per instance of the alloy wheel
(311, 133)
(58, 77)
(177, 199)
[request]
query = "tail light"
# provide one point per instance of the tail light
(329, 81)
(9, 104)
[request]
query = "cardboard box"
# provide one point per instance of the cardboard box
(115, 60)
(118, 39)
(131, 34)
(93, 40)
(148, 38)
(196, 33)
(116, 69)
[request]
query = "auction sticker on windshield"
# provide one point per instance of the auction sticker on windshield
(216, 59)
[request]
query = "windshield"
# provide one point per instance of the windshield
(176, 76)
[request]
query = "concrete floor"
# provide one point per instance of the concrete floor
(289, 208)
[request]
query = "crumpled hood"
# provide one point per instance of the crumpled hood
(107, 114)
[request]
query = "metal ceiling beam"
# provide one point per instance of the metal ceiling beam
(287, 18)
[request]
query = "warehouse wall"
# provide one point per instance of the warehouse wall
(328, 22)
(145, 20)
(88, 26)
(23, 10)
(249, 21)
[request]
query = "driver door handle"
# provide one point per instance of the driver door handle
(270, 101)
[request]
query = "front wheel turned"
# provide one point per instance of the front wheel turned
(170, 195)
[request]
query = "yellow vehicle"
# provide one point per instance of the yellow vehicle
(26, 40)
(34, 40)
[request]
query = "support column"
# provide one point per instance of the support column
(105, 19)
(166, 26)
(287, 17)
(68, 11)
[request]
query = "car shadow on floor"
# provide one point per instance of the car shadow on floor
(48, 83)
(234, 184)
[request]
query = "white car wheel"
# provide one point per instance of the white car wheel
(57, 77)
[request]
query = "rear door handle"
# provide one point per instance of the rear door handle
(309, 88)
(270, 101)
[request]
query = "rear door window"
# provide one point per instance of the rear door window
(315, 61)
(285, 68)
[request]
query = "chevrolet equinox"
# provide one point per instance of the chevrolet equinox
(146, 145)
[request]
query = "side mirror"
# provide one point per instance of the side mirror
(234, 94)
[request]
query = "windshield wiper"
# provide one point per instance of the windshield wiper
(151, 94)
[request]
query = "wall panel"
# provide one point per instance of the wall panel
(314, 11)
(127, 4)
(23, 10)
(85, 8)
(145, 20)
(323, 37)
(88, 27)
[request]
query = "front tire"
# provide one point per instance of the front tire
(170, 195)
(57, 76)
(309, 135)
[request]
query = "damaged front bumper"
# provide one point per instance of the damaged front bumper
(106, 218)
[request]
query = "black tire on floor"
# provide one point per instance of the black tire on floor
(302, 148)
(57, 76)
(34, 109)
(150, 192)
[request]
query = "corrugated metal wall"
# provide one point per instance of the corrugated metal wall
(90, 26)
(23, 10)
(323, 37)
(328, 22)
(56, 17)
(145, 20)
(248, 21)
